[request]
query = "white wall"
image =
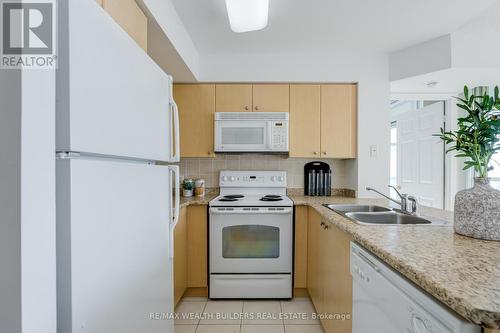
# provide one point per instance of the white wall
(10, 201)
(38, 225)
(430, 56)
(27, 202)
(476, 43)
(370, 71)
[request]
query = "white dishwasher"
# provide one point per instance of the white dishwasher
(385, 302)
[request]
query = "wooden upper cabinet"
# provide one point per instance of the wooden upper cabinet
(233, 97)
(130, 17)
(196, 104)
(305, 120)
(338, 120)
(271, 97)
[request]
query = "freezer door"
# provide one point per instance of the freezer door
(114, 268)
(113, 99)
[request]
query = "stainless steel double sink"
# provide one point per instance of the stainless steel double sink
(378, 215)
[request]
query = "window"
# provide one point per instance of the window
(394, 155)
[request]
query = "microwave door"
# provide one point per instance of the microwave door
(238, 136)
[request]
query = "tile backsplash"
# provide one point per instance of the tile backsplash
(209, 168)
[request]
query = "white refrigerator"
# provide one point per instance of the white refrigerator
(117, 195)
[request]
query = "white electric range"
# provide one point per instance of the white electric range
(251, 236)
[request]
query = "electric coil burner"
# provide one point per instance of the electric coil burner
(251, 236)
(231, 197)
(271, 197)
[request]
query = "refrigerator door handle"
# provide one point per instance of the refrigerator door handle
(175, 148)
(174, 204)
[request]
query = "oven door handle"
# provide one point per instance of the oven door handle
(241, 210)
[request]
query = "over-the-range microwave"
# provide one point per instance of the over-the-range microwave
(251, 132)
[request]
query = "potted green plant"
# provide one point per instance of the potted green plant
(477, 210)
(187, 187)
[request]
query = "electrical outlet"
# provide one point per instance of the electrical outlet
(373, 150)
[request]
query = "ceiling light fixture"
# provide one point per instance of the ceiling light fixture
(247, 15)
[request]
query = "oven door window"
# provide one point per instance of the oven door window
(250, 241)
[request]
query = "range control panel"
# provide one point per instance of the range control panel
(252, 179)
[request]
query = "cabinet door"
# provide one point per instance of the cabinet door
(197, 249)
(130, 17)
(300, 269)
(314, 260)
(233, 98)
(338, 120)
(305, 120)
(338, 284)
(180, 257)
(271, 97)
(196, 104)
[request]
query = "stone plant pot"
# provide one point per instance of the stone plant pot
(477, 211)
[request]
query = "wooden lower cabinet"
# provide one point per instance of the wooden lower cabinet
(180, 256)
(190, 251)
(300, 266)
(197, 256)
(329, 282)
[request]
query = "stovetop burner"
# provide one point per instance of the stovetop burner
(228, 199)
(234, 196)
(231, 197)
(271, 197)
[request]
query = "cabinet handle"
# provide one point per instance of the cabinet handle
(209, 153)
(246, 108)
(256, 108)
(315, 153)
(324, 153)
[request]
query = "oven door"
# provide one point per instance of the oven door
(242, 136)
(251, 240)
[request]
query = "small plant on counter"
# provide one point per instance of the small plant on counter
(477, 137)
(188, 184)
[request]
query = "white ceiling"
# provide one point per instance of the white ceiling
(325, 26)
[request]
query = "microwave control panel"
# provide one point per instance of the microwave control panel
(279, 135)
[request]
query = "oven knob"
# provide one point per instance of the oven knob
(281, 178)
(224, 178)
(232, 179)
(273, 178)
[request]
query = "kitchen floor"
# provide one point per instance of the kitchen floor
(200, 315)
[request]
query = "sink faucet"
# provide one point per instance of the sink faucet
(408, 203)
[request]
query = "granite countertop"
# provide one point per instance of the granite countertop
(461, 272)
(188, 201)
